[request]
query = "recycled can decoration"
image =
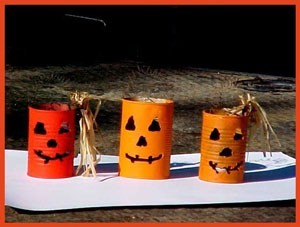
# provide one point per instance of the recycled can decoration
(225, 136)
(223, 147)
(51, 140)
(146, 138)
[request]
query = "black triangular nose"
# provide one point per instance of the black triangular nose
(227, 152)
(52, 143)
(142, 141)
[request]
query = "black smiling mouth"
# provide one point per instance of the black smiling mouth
(228, 169)
(137, 158)
(47, 158)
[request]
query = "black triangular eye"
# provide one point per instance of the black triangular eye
(215, 135)
(154, 126)
(40, 129)
(64, 128)
(238, 134)
(130, 124)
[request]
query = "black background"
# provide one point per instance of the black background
(259, 39)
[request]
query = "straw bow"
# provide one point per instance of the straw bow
(257, 118)
(87, 123)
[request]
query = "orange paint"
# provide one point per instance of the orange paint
(146, 138)
(51, 141)
(223, 147)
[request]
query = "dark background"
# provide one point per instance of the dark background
(258, 39)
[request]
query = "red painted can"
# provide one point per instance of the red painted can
(51, 141)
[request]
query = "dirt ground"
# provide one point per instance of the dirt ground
(192, 89)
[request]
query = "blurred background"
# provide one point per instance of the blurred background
(259, 39)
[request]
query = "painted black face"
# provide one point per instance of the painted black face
(142, 141)
(226, 152)
(51, 143)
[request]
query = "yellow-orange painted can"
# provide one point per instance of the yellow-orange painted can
(146, 138)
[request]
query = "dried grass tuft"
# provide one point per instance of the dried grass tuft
(257, 118)
(90, 155)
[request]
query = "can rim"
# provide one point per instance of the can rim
(210, 112)
(148, 100)
(53, 107)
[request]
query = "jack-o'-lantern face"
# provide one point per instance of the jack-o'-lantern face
(138, 154)
(227, 152)
(145, 143)
(52, 142)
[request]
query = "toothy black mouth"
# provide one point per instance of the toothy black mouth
(137, 158)
(48, 158)
(228, 169)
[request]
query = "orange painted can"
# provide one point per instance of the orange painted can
(51, 139)
(223, 147)
(146, 138)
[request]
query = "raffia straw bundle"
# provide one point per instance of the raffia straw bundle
(257, 118)
(87, 123)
